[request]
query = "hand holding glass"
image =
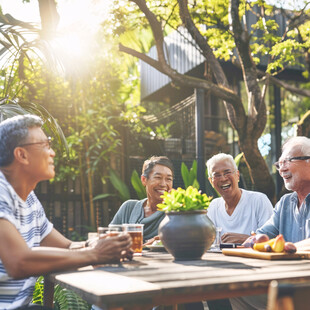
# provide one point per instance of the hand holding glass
(136, 233)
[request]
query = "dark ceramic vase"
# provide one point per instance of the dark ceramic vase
(187, 235)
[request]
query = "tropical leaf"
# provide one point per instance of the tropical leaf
(185, 174)
(137, 185)
(9, 108)
(37, 297)
(193, 175)
(65, 299)
(238, 159)
(196, 184)
(102, 196)
(119, 185)
(189, 176)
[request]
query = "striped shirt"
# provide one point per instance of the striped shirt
(30, 220)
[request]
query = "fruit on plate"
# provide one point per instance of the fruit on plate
(261, 246)
(259, 238)
(290, 247)
(278, 245)
(249, 243)
(267, 248)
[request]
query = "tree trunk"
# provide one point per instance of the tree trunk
(258, 169)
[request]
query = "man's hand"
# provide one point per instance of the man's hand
(234, 238)
(113, 249)
(150, 241)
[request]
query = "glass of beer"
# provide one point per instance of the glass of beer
(110, 231)
(136, 233)
(102, 232)
(115, 229)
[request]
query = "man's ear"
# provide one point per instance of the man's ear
(210, 180)
(21, 155)
(143, 180)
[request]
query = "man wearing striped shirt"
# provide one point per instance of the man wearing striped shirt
(30, 246)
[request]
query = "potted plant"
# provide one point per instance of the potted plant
(186, 231)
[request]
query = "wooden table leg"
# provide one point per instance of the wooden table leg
(48, 296)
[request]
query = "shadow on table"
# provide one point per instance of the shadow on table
(214, 263)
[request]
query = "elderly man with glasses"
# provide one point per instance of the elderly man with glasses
(291, 216)
(30, 246)
(238, 212)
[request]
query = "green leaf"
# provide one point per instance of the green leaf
(185, 174)
(102, 196)
(238, 159)
(181, 200)
(189, 176)
(193, 174)
(119, 185)
(137, 185)
(196, 184)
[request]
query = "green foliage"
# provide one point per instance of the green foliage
(162, 131)
(122, 188)
(63, 298)
(190, 176)
(37, 297)
(238, 159)
(137, 185)
(66, 299)
(10, 108)
(119, 185)
(285, 53)
(181, 200)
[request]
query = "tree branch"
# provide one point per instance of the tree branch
(156, 29)
(202, 43)
(256, 106)
(219, 91)
(290, 88)
(235, 114)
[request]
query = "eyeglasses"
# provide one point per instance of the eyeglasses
(281, 163)
(47, 142)
(225, 174)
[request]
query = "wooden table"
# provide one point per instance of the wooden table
(156, 279)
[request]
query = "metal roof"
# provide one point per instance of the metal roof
(183, 55)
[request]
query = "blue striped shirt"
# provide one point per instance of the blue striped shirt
(30, 220)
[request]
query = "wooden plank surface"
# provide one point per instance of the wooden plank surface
(250, 253)
(155, 278)
(96, 284)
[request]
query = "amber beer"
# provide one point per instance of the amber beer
(136, 233)
(137, 241)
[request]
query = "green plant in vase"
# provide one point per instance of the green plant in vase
(186, 231)
(180, 200)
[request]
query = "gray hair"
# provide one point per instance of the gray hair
(300, 143)
(14, 131)
(218, 158)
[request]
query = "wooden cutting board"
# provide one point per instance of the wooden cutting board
(247, 252)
